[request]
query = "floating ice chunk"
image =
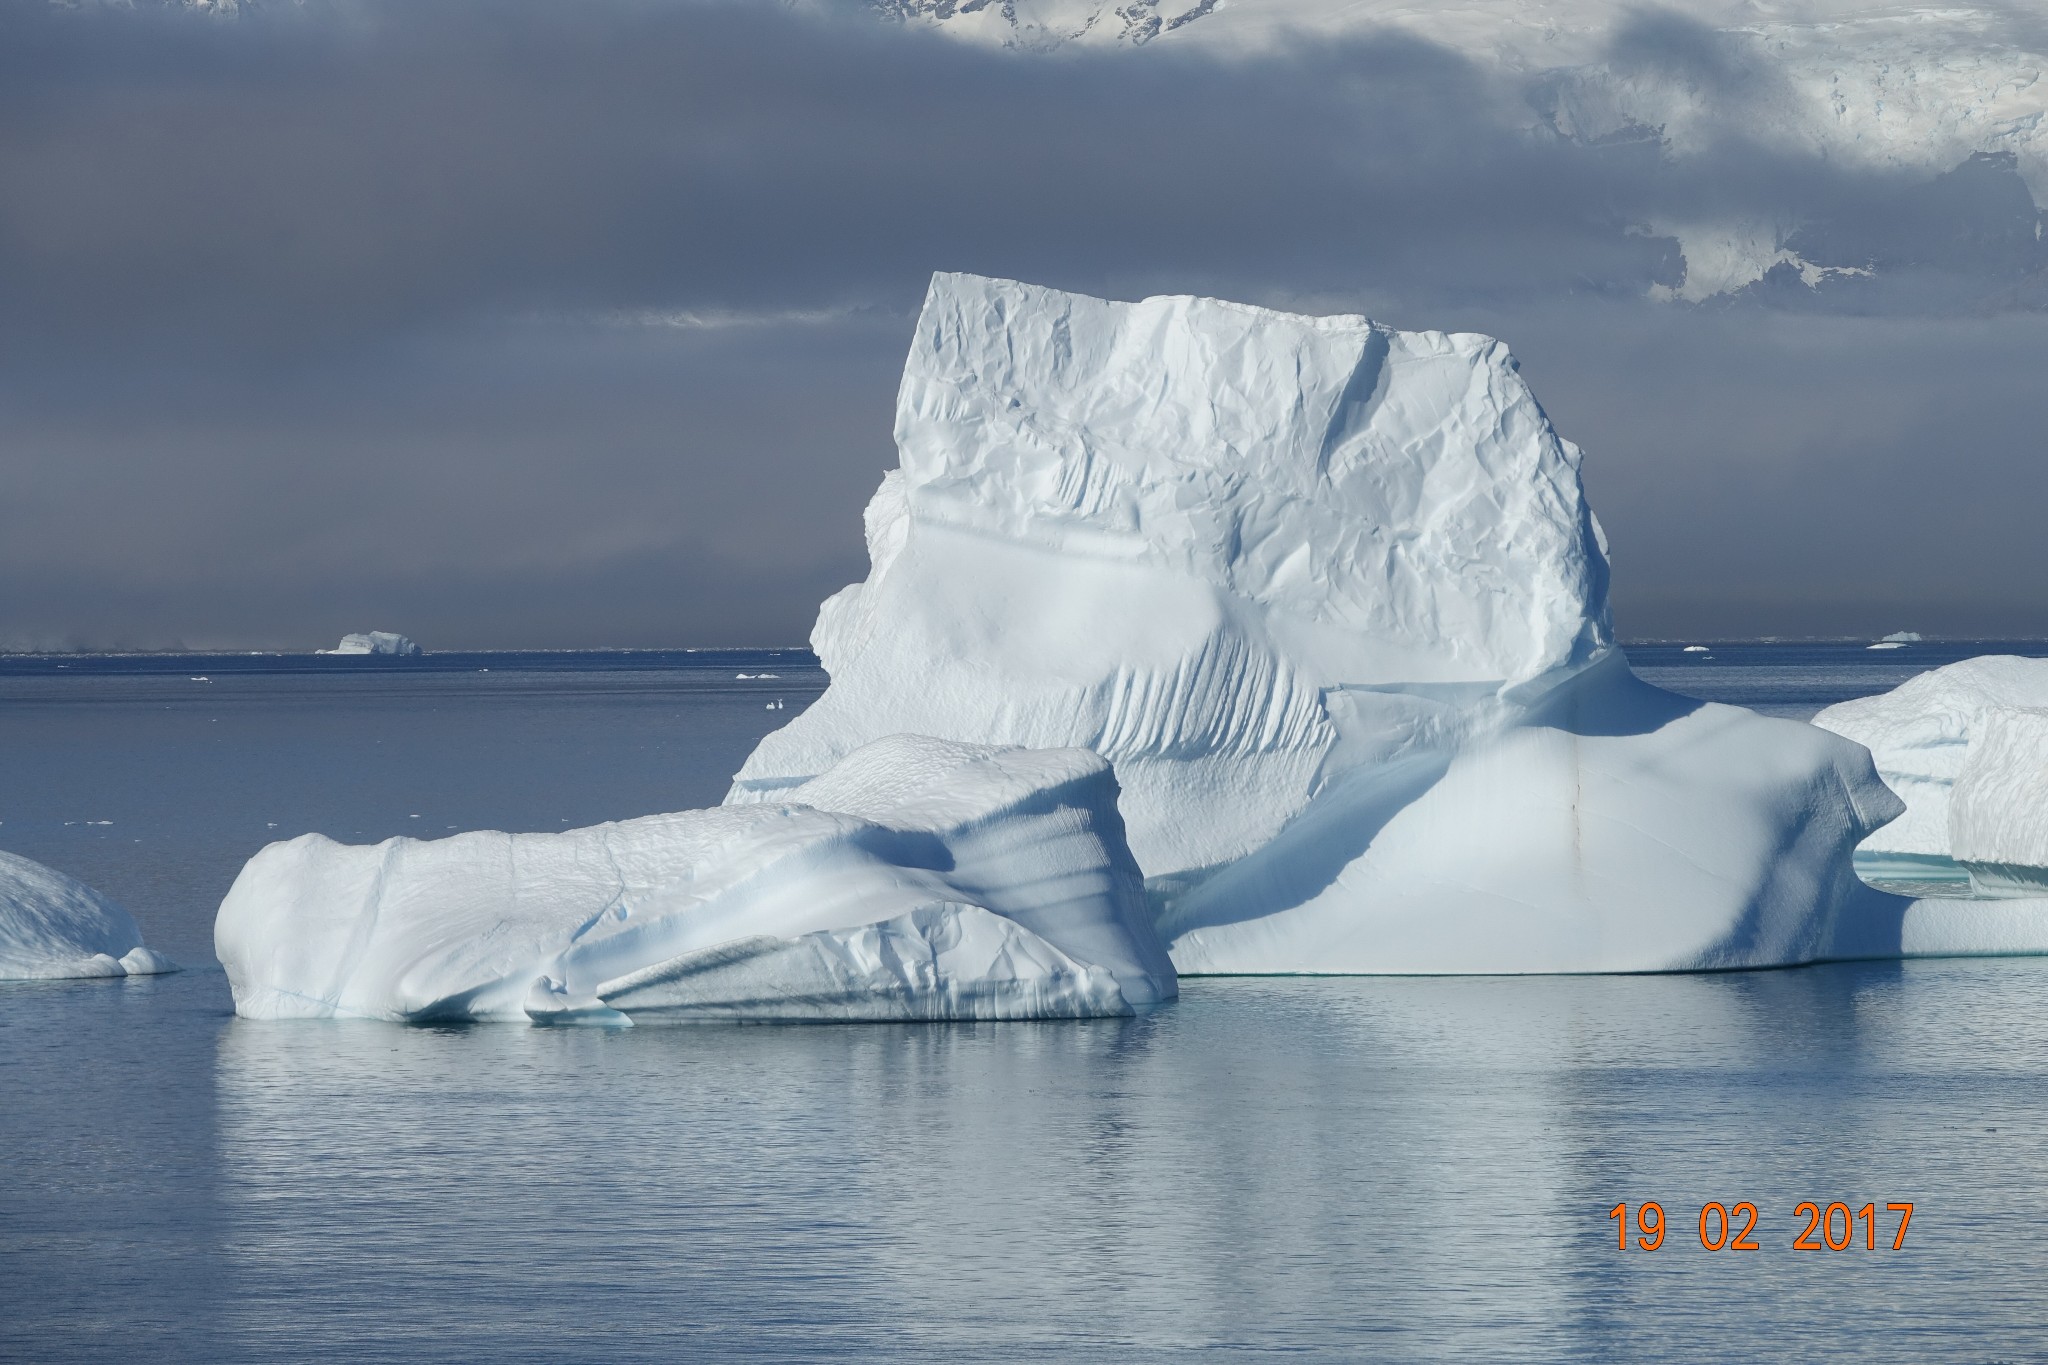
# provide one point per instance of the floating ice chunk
(1695, 649)
(1920, 734)
(1330, 598)
(374, 642)
(1901, 637)
(54, 926)
(917, 880)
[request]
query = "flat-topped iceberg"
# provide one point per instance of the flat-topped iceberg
(53, 926)
(1921, 734)
(1330, 599)
(375, 642)
(918, 879)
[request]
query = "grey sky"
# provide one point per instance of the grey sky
(392, 316)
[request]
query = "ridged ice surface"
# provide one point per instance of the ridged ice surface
(54, 926)
(1164, 530)
(945, 881)
(1921, 734)
(1998, 809)
(1330, 598)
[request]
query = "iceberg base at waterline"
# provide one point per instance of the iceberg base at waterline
(1880, 926)
(54, 927)
(916, 880)
(1615, 827)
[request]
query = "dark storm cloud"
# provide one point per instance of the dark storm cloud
(302, 315)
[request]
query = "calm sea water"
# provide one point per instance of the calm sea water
(1389, 1170)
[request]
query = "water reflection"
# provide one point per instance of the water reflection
(1420, 1168)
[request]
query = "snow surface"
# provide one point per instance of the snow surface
(53, 926)
(374, 642)
(1329, 597)
(916, 880)
(1920, 734)
(1916, 89)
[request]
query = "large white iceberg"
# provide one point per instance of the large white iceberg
(916, 880)
(1921, 734)
(374, 642)
(1329, 597)
(54, 926)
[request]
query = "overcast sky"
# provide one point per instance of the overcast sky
(510, 323)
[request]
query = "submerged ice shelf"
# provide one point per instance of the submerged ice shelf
(53, 926)
(918, 879)
(1330, 599)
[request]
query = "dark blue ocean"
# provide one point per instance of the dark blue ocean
(1384, 1170)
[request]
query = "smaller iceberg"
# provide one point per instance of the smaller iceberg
(915, 880)
(1921, 734)
(375, 642)
(53, 926)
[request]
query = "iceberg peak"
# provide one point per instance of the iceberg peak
(1329, 597)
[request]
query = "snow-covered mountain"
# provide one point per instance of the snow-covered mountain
(1930, 91)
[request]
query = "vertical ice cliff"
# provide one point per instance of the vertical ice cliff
(1330, 599)
(1998, 809)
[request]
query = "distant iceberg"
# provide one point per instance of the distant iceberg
(53, 926)
(916, 880)
(1330, 599)
(374, 642)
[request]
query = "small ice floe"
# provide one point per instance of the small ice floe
(99, 822)
(1695, 649)
(1898, 639)
(775, 705)
(202, 679)
(745, 677)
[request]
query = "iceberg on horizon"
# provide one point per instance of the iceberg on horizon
(916, 880)
(374, 642)
(54, 927)
(1329, 598)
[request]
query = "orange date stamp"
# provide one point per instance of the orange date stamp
(1733, 1227)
